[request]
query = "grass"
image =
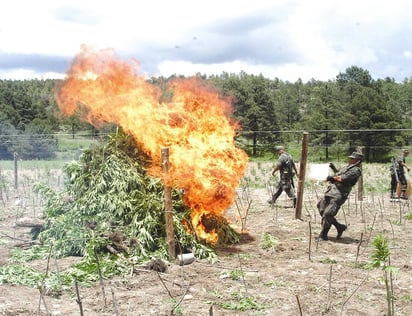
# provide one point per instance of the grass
(69, 149)
(33, 164)
(68, 143)
(237, 301)
(376, 177)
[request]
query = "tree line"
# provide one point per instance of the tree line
(352, 111)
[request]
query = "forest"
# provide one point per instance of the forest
(103, 229)
(352, 111)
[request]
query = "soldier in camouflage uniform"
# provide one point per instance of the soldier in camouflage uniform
(398, 174)
(337, 193)
(287, 169)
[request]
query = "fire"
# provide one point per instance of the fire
(195, 124)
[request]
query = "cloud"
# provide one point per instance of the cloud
(33, 62)
(287, 39)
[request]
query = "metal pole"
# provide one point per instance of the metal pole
(170, 236)
(302, 173)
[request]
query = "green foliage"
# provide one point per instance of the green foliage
(110, 201)
(236, 274)
(380, 259)
(238, 301)
(406, 298)
(270, 112)
(269, 241)
(381, 253)
(328, 261)
(36, 252)
(18, 272)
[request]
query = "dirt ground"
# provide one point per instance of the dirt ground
(294, 276)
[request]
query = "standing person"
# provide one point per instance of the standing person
(398, 174)
(337, 193)
(287, 169)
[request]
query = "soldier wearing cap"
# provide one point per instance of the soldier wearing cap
(337, 193)
(398, 174)
(287, 169)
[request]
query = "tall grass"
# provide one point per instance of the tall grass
(376, 177)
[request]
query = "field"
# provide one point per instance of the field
(278, 268)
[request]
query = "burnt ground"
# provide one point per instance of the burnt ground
(293, 275)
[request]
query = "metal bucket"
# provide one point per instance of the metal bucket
(186, 258)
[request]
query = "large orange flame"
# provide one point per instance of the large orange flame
(195, 124)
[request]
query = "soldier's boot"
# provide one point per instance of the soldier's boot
(294, 202)
(339, 227)
(325, 229)
(403, 195)
(323, 236)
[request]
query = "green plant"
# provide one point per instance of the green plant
(277, 283)
(381, 259)
(269, 241)
(177, 308)
(328, 261)
(236, 274)
(109, 201)
(237, 301)
(18, 272)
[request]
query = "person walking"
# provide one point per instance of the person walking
(337, 193)
(397, 170)
(287, 169)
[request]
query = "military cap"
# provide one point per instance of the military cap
(356, 155)
(277, 148)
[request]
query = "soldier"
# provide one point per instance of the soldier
(287, 168)
(337, 193)
(398, 174)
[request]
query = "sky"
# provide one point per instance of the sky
(284, 39)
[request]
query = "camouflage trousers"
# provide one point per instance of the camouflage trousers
(284, 185)
(328, 208)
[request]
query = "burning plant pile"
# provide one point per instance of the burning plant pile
(111, 205)
(106, 188)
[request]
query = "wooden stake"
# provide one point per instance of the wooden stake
(310, 241)
(170, 235)
(78, 300)
(100, 277)
(15, 172)
(360, 181)
(302, 173)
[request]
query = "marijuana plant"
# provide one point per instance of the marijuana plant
(381, 259)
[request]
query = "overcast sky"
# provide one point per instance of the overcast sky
(285, 39)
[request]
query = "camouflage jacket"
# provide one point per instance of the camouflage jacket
(349, 175)
(286, 166)
(397, 165)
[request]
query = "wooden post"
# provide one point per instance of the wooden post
(15, 171)
(170, 235)
(302, 173)
(360, 180)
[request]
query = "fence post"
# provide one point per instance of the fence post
(170, 235)
(302, 173)
(15, 171)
